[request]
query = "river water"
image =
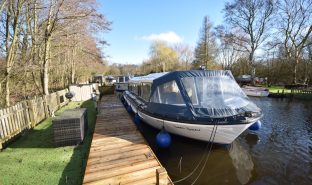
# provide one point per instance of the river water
(279, 153)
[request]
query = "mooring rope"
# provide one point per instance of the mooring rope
(203, 157)
(202, 169)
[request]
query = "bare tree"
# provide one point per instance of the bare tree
(53, 13)
(295, 25)
(48, 44)
(228, 51)
(2, 5)
(185, 55)
(249, 23)
(13, 14)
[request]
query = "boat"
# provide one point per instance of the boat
(121, 83)
(255, 91)
(206, 105)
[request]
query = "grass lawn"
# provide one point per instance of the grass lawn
(275, 89)
(33, 158)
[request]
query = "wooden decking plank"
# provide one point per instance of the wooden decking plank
(119, 156)
(117, 151)
(98, 175)
(125, 136)
(98, 135)
(116, 145)
(126, 178)
(121, 132)
(99, 151)
(115, 140)
(149, 180)
(117, 163)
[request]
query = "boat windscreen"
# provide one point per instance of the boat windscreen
(168, 93)
(217, 96)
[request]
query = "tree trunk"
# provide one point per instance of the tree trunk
(47, 45)
(306, 73)
(252, 66)
(296, 62)
(7, 91)
(73, 70)
(7, 45)
(10, 50)
(3, 3)
(46, 66)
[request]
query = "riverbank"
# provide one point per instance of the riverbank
(281, 92)
(278, 89)
(33, 158)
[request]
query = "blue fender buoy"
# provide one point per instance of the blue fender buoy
(129, 109)
(137, 119)
(256, 125)
(163, 139)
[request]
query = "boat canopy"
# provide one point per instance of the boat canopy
(147, 79)
(200, 93)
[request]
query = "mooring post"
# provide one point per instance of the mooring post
(161, 176)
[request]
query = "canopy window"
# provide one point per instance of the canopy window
(134, 88)
(168, 93)
(190, 88)
(145, 91)
(216, 95)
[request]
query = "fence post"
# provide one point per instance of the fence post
(161, 176)
(58, 99)
(45, 105)
(26, 114)
(31, 112)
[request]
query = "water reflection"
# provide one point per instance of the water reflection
(241, 161)
(252, 139)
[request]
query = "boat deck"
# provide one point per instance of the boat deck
(119, 153)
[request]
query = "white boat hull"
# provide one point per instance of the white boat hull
(253, 92)
(225, 134)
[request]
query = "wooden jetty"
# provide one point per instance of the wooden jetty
(119, 153)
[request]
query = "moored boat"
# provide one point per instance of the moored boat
(255, 91)
(121, 83)
(199, 104)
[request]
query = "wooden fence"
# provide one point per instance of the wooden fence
(83, 92)
(301, 91)
(27, 114)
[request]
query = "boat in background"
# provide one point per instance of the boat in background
(205, 105)
(255, 91)
(121, 83)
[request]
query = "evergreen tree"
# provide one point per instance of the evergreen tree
(205, 50)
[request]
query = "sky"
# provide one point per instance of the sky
(137, 23)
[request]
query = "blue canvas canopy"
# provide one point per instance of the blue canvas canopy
(197, 94)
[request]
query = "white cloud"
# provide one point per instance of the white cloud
(170, 37)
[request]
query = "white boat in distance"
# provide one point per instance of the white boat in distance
(255, 91)
(121, 83)
(198, 104)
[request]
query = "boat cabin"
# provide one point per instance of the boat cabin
(121, 83)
